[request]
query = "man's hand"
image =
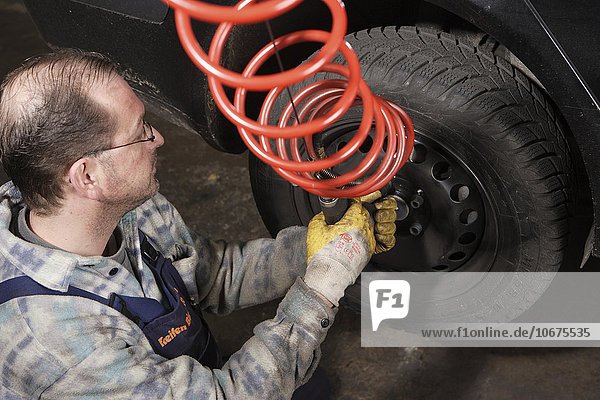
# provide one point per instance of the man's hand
(385, 220)
(338, 253)
(385, 224)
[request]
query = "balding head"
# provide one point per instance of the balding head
(49, 119)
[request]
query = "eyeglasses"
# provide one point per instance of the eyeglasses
(147, 128)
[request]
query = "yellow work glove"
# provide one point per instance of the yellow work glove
(385, 223)
(336, 254)
(385, 220)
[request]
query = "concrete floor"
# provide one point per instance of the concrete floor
(212, 192)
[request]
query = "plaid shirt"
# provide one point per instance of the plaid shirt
(70, 347)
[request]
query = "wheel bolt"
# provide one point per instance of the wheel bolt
(415, 229)
(417, 201)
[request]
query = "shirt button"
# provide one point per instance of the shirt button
(324, 322)
(113, 271)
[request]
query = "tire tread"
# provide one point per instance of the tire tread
(524, 125)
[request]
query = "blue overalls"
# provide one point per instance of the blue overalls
(172, 331)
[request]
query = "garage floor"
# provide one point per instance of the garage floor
(212, 192)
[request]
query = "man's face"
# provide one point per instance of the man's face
(129, 171)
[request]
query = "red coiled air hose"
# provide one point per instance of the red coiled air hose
(320, 104)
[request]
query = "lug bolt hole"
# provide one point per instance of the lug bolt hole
(467, 217)
(457, 256)
(459, 193)
(467, 238)
(441, 171)
(418, 154)
(440, 268)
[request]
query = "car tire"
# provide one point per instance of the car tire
(495, 134)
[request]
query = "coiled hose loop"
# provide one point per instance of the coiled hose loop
(312, 109)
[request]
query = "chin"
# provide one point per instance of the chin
(149, 193)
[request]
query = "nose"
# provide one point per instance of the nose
(159, 140)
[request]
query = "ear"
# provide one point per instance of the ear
(84, 178)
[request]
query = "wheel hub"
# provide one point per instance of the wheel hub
(440, 217)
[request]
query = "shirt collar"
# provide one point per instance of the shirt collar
(52, 268)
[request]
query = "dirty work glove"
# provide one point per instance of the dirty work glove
(385, 223)
(385, 220)
(336, 254)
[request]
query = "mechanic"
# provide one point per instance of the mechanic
(102, 285)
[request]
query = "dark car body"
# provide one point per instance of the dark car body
(554, 41)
